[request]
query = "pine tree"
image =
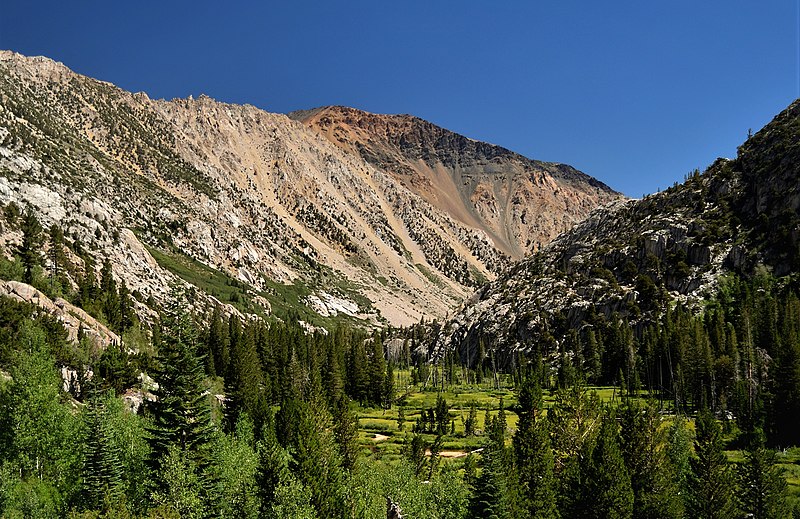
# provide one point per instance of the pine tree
(388, 387)
(56, 254)
(306, 432)
(87, 288)
(102, 472)
(573, 420)
(592, 355)
(245, 379)
(491, 498)
(711, 481)
(441, 413)
(534, 455)
(127, 317)
(345, 430)
(217, 343)
(679, 452)
(357, 375)
(181, 414)
(332, 372)
(785, 423)
(471, 423)
(29, 250)
(644, 451)
(414, 451)
(763, 484)
(376, 371)
(607, 483)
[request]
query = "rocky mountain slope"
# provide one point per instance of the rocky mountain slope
(633, 257)
(520, 203)
(255, 208)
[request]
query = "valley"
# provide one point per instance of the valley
(210, 310)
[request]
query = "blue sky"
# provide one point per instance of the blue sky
(634, 93)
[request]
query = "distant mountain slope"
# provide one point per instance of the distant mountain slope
(635, 256)
(520, 203)
(231, 199)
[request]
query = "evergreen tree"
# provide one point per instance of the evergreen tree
(102, 474)
(281, 494)
(87, 288)
(573, 421)
(377, 372)
(306, 433)
(414, 451)
(30, 249)
(711, 482)
(644, 451)
(493, 496)
(592, 354)
(441, 414)
(346, 434)
(471, 423)
(785, 414)
(388, 387)
(217, 343)
(245, 379)
(534, 456)
(126, 315)
(56, 254)
(607, 491)
(763, 484)
(332, 373)
(679, 452)
(357, 376)
(181, 414)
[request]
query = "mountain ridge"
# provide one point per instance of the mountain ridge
(254, 197)
(484, 185)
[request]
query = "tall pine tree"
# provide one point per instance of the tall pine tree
(181, 414)
(607, 492)
(533, 455)
(711, 483)
(763, 484)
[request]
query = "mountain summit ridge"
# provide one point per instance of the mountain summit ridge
(259, 197)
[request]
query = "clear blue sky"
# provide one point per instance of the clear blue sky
(635, 93)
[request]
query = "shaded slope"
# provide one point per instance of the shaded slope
(634, 257)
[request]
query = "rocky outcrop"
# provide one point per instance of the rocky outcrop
(74, 319)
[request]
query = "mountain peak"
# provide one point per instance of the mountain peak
(520, 203)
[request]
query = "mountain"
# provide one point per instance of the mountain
(259, 210)
(633, 258)
(521, 204)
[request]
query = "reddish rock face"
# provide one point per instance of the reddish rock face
(520, 203)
